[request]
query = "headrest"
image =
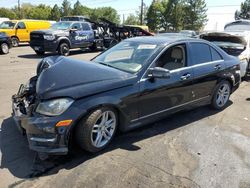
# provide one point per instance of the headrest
(177, 53)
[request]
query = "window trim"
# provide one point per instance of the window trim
(144, 75)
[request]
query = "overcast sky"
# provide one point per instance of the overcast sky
(219, 11)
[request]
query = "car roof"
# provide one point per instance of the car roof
(163, 40)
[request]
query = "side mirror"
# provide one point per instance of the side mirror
(158, 72)
(72, 30)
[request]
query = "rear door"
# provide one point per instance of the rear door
(207, 65)
(83, 35)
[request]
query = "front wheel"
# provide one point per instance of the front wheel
(97, 130)
(221, 95)
(64, 49)
(4, 48)
(15, 41)
(40, 52)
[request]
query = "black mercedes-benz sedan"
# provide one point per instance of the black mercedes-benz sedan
(136, 82)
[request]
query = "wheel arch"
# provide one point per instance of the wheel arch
(122, 118)
(63, 40)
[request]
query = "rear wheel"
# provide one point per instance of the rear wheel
(40, 52)
(64, 49)
(4, 48)
(15, 41)
(97, 130)
(221, 95)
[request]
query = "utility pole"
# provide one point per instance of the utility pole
(19, 9)
(142, 11)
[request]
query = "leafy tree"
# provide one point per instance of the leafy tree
(154, 15)
(77, 10)
(244, 12)
(132, 20)
(195, 15)
(105, 12)
(40, 12)
(66, 8)
(173, 15)
(4, 12)
(55, 13)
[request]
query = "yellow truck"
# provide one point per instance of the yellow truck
(19, 30)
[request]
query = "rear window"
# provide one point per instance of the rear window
(215, 55)
(200, 53)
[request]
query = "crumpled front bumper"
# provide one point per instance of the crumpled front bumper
(42, 134)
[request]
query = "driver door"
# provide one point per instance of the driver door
(22, 32)
(159, 96)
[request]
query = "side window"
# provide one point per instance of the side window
(21, 25)
(76, 26)
(85, 27)
(215, 55)
(173, 58)
(200, 53)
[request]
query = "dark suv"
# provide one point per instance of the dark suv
(5, 43)
(63, 36)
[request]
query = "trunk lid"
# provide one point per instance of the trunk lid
(232, 43)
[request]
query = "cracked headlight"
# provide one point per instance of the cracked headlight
(49, 37)
(54, 107)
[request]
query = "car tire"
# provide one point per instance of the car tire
(95, 132)
(15, 41)
(93, 48)
(40, 52)
(221, 95)
(4, 48)
(64, 49)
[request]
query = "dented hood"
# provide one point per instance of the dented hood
(225, 37)
(64, 77)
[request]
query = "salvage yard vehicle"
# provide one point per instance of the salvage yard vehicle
(19, 30)
(234, 43)
(136, 82)
(63, 36)
(5, 43)
(66, 35)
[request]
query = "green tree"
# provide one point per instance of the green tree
(40, 12)
(108, 13)
(195, 16)
(132, 20)
(4, 12)
(244, 12)
(155, 15)
(55, 13)
(77, 10)
(66, 8)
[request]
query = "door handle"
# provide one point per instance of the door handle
(185, 76)
(217, 67)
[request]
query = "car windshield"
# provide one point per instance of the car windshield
(238, 26)
(61, 26)
(127, 56)
(7, 25)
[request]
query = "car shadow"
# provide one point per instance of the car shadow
(72, 53)
(24, 163)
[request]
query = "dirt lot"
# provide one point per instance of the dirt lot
(198, 148)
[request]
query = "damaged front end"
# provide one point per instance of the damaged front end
(42, 134)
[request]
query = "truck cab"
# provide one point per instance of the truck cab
(63, 36)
